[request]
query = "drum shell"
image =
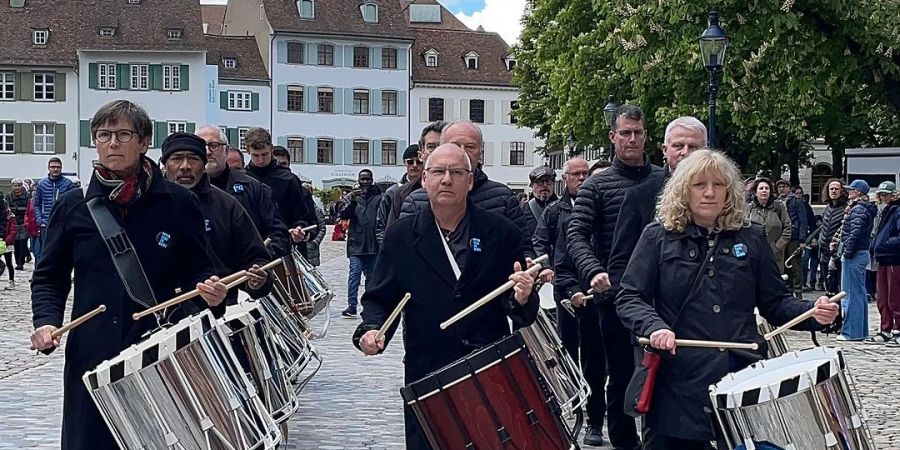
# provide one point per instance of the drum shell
(776, 346)
(455, 404)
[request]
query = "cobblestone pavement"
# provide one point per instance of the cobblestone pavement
(353, 402)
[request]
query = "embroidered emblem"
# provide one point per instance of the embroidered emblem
(740, 250)
(238, 188)
(206, 223)
(162, 239)
(476, 244)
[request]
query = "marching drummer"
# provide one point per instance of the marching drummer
(698, 273)
(164, 224)
(235, 240)
(447, 255)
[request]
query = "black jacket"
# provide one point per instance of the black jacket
(315, 241)
(657, 283)
(235, 241)
(166, 228)
(295, 204)
(18, 204)
(362, 212)
(486, 194)
(886, 246)
(857, 228)
(550, 238)
(384, 208)
(413, 260)
(597, 228)
(831, 223)
(532, 221)
(256, 198)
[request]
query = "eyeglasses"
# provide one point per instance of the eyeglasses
(412, 162)
(439, 172)
(122, 136)
(544, 182)
(215, 146)
(580, 173)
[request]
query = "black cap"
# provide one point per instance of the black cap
(411, 152)
(541, 172)
(783, 182)
(183, 142)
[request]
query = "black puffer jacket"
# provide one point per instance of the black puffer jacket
(594, 227)
(831, 222)
(486, 194)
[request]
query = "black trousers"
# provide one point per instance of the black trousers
(581, 338)
(654, 441)
(620, 366)
(9, 263)
(21, 251)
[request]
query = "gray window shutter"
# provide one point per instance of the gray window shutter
(488, 159)
(401, 147)
(401, 103)
(309, 147)
(281, 140)
(448, 109)
(348, 56)
(488, 111)
(337, 151)
(347, 145)
(375, 152)
(423, 109)
(282, 97)
(401, 58)
(464, 108)
(375, 102)
(223, 100)
(347, 107)
(339, 51)
(190, 127)
(312, 54)
(311, 94)
(123, 76)
(375, 54)
(504, 112)
(281, 52)
(504, 153)
(254, 101)
(161, 130)
(59, 87)
(84, 133)
(529, 154)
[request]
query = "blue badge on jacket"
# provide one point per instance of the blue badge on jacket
(162, 239)
(740, 251)
(476, 244)
(238, 188)
(206, 223)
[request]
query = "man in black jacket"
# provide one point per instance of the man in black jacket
(235, 242)
(255, 197)
(593, 230)
(799, 231)
(294, 203)
(542, 180)
(485, 247)
(581, 330)
(428, 141)
(362, 246)
(413, 171)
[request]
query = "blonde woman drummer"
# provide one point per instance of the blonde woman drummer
(698, 273)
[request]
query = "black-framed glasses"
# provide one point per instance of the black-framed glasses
(412, 162)
(579, 173)
(456, 174)
(216, 146)
(122, 136)
(545, 182)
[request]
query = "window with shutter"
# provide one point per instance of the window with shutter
(325, 55)
(517, 153)
(389, 103)
(435, 109)
(295, 148)
(476, 111)
(295, 52)
(44, 138)
(295, 98)
(361, 57)
(360, 101)
(389, 153)
(326, 100)
(106, 76)
(324, 151)
(7, 85)
(388, 58)
(7, 137)
(44, 86)
(360, 152)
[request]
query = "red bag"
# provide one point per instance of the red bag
(639, 393)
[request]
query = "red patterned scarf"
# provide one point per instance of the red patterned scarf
(125, 190)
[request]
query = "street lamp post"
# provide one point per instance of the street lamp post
(570, 143)
(609, 114)
(713, 43)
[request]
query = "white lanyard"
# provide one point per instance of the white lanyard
(450, 257)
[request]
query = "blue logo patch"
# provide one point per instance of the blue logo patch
(162, 239)
(476, 244)
(206, 223)
(740, 251)
(238, 188)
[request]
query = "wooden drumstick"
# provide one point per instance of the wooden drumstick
(269, 265)
(390, 320)
(533, 271)
(184, 297)
(707, 344)
(267, 242)
(801, 317)
(84, 318)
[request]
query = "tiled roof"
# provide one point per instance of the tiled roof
(448, 20)
(339, 17)
(15, 32)
(452, 47)
(214, 17)
(244, 49)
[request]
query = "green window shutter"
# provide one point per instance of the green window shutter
(185, 77)
(26, 86)
(233, 137)
(156, 77)
(123, 76)
(161, 130)
(59, 87)
(59, 137)
(17, 138)
(223, 100)
(254, 101)
(93, 75)
(84, 133)
(190, 127)
(26, 133)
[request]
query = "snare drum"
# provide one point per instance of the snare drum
(291, 338)
(568, 385)
(259, 353)
(302, 284)
(778, 345)
(801, 401)
(493, 398)
(181, 388)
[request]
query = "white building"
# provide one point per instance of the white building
(340, 83)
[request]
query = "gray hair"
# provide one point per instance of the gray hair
(629, 112)
(16, 181)
(465, 157)
(117, 110)
(433, 127)
(686, 122)
(462, 122)
(222, 136)
(568, 162)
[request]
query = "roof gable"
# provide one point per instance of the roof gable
(246, 53)
(339, 17)
(454, 47)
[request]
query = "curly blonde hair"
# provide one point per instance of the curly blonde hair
(674, 211)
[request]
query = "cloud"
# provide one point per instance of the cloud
(500, 16)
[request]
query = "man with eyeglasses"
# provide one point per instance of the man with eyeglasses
(294, 204)
(593, 233)
(428, 141)
(447, 255)
(542, 180)
(413, 172)
(48, 191)
(255, 197)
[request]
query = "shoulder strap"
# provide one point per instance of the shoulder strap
(535, 209)
(710, 255)
(123, 254)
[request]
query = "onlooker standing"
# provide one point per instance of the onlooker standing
(810, 250)
(883, 196)
(799, 231)
(886, 249)
(8, 234)
(772, 214)
(413, 171)
(47, 192)
(542, 180)
(832, 217)
(853, 249)
(362, 246)
(18, 203)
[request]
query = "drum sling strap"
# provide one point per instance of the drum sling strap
(123, 254)
(536, 210)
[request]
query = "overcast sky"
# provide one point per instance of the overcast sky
(500, 16)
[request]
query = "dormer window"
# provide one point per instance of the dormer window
(472, 61)
(40, 37)
(107, 32)
(510, 63)
(369, 12)
(229, 63)
(307, 9)
(173, 34)
(431, 58)
(133, 2)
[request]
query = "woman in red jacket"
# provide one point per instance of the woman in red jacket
(8, 234)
